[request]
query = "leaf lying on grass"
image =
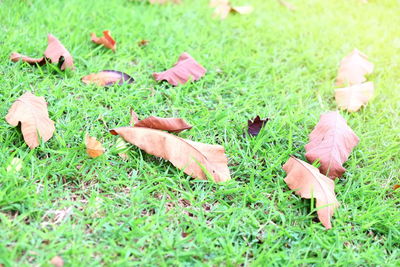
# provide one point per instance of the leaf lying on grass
(189, 156)
(184, 70)
(143, 43)
(309, 183)
(55, 53)
(353, 69)
(254, 126)
(57, 261)
(224, 7)
(331, 142)
(93, 147)
(31, 112)
(352, 98)
(106, 40)
(107, 78)
(174, 125)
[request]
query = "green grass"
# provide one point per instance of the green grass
(274, 63)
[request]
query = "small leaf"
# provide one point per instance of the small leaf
(57, 261)
(143, 43)
(354, 97)
(254, 126)
(396, 186)
(184, 70)
(308, 183)
(31, 112)
(224, 7)
(107, 78)
(184, 154)
(331, 142)
(106, 40)
(93, 147)
(353, 69)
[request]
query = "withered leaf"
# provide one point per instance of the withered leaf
(175, 125)
(143, 43)
(57, 261)
(331, 142)
(106, 40)
(55, 53)
(308, 183)
(184, 70)
(93, 147)
(353, 69)
(195, 159)
(224, 7)
(31, 112)
(107, 78)
(254, 126)
(396, 186)
(352, 98)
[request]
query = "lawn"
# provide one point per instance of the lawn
(274, 63)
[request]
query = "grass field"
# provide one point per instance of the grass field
(274, 63)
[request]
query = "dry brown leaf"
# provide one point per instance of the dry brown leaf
(224, 7)
(164, 1)
(55, 52)
(106, 40)
(331, 142)
(174, 125)
(354, 97)
(288, 5)
(184, 70)
(396, 186)
(57, 261)
(143, 43)
(189, 156)
(93, 147)
(31, 112)
(309, 183)
(107, 77)
(353, 69)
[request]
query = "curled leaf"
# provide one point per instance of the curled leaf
(15, 57)
(107, 77)
(308, 183)
(354, 97)
(254, 126)
(106, 40)
(353, 69)
(31, 112)
(55, 53)
(184, 70)
(331, 142)
(93, 147)
(167, 124)
(195, 159)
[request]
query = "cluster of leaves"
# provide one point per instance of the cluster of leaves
(330, 144)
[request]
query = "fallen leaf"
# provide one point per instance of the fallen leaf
(143, 43)
(55, 53)
(107, 77)
(195, 159)
(288, 5)
(353, 69)
(309, 183)
(175, 125)
(331, 142)
(254, 126)
(396, 186)
(106, 40)
(15, 57)
(184, 70)
(15, 165)
(164, 1)
(57, 261)
(31, 112)
(134, 118)
(224, 7)
(352, 98)
(93, 147)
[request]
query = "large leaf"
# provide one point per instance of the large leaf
(308, 183)
(331, 142)
(184, 70)
(31, 112)
(195, 159)
(175, 125)
(352, 98)
(353, 69)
